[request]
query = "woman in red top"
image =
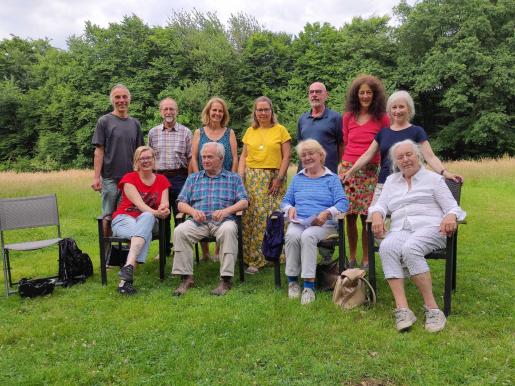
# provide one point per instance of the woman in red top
(363, 118)
(144, 197)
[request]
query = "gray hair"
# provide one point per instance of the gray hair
(166, 100)
(313, 145)
(416, 149)
(406, 97)
(220, 149)
(117, 86)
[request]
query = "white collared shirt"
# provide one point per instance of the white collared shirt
(425, 205)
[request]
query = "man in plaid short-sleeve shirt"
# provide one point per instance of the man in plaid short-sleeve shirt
(211, 197)
(171, 143)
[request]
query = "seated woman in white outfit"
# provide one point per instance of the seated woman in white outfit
(423, 212)
(313, 200)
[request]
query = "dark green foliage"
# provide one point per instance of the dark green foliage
(455, 58)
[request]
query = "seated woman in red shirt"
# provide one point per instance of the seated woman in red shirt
(144, 197)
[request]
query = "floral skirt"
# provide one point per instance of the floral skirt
(261, 205)
(360, 188)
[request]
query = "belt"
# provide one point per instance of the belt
(173, 172)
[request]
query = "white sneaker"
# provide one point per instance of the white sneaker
(308, 296)
(404, 319)
(294, 290)
(435, 319)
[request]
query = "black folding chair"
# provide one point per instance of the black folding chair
(26, 212)
(106, 239)
(330, 243)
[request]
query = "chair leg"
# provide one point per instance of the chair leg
(277, 273)
(102, 252)
(196, 254)
(163, 245)
(455, 255)
(342, 255)
(371, 258)
(9, 268)
(240, 249)
(6, 267)
(449, 265)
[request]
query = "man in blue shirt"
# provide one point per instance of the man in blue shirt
(211, 197)
(322, 124)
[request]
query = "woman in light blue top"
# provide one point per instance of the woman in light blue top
(313, 200)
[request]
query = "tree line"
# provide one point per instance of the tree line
(454, 56)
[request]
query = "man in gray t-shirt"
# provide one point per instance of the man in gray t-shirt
(116, 138)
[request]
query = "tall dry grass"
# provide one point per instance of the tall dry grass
(72, 177)
(484, 168)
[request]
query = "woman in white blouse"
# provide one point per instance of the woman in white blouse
(423, 212)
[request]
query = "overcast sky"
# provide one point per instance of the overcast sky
(59, 19)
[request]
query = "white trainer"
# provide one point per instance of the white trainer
(435, 319)
(308, 296)
(294, 290)
(404, 319)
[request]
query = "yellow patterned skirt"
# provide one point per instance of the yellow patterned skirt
(261, 204)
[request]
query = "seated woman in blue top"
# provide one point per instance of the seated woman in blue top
(401, 109)
(313, 200)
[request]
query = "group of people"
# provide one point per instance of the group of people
(345, 162)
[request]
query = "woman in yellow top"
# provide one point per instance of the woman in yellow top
(263, 166)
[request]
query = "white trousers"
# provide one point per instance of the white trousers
(402, 252)
(301, 248)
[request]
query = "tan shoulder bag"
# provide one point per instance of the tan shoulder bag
(351, 289)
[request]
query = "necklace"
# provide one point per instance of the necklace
(260, 130)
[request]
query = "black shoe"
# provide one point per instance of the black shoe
(126, 273)
(127, 289)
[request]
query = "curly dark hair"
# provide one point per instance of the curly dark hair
(378, 106)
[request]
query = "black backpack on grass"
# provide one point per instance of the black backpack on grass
(74, 266)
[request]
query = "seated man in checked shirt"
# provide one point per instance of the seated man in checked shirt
(211, 197)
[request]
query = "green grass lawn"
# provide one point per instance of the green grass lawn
(88, 334)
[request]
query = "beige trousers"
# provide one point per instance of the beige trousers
(188, 233)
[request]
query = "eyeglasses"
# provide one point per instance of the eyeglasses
(263, 110)
(307, 154)
(146, 159)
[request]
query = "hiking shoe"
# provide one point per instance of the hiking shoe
(251, 270)
(127, 289)
(404, 319)
(294, 290)
(186, 283)
(435, 319)
(126, 273)
(224, 286)
(308, 296)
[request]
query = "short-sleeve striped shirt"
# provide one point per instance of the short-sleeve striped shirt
(172, 147)
(209, 194)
